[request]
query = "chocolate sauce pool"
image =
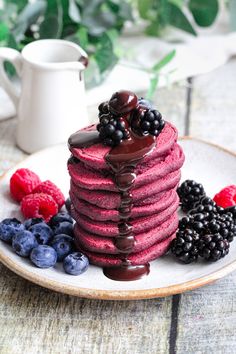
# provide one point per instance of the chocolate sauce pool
(122, 160)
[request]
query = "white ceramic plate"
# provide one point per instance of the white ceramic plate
(206, 163)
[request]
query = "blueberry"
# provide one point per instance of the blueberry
(145, 103)
(64, 227)
(43, 256)
(30, 222)
(63, 245)
(23, 243)
(75, 263)
(9, 228)
(62, 216)
(42, 232)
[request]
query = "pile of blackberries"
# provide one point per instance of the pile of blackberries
(142, 119)
(206, 231)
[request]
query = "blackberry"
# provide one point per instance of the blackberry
(185, 246)
(103, 108)
(231, 210)
(213, 247)
(112, 130)
(213, 228)
(147, 121)
(210, 222)
(190, 194)
(207, 205)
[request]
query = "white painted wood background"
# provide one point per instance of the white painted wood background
(35, 320)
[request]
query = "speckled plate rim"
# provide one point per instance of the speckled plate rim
(120, 294)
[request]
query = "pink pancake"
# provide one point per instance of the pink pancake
(146, 194)
(145, 256)
(91, 179)
(101, 244)
(94, 155)
(110, 228)
(110, 200)
(101, 214)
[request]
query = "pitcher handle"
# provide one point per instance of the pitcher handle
(15, 58)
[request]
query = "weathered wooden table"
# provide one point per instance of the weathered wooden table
(36, 320)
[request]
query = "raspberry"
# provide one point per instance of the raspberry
(39, 205)
(51, 189)
(22, 182)
(226, 197)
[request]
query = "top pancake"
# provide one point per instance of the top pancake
(94, 156)
(92, 179)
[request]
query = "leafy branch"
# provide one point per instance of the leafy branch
(96, 25)
(162, 13)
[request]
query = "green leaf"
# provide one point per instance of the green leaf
(4, 31)
(178, 3)
(125, 11)
(27, 17)
(153, 29)
(158, 17)
(97, 18)
(164, 61)
(74, 12)
(143, 8)
(204, 12)
(52, 25)
(82, 36)
(178, 19)
(19, 3)
(104, 54)
(152, 87)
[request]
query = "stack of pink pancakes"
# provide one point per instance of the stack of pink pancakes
(96, 200)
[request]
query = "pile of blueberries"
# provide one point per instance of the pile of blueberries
(45, 244)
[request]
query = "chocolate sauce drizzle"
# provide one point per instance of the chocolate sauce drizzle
(122, 160)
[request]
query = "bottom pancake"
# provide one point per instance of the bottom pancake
(143, 257)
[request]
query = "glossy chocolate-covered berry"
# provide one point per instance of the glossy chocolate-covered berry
(122, 102)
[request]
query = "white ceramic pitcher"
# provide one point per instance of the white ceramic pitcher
(51, 101)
